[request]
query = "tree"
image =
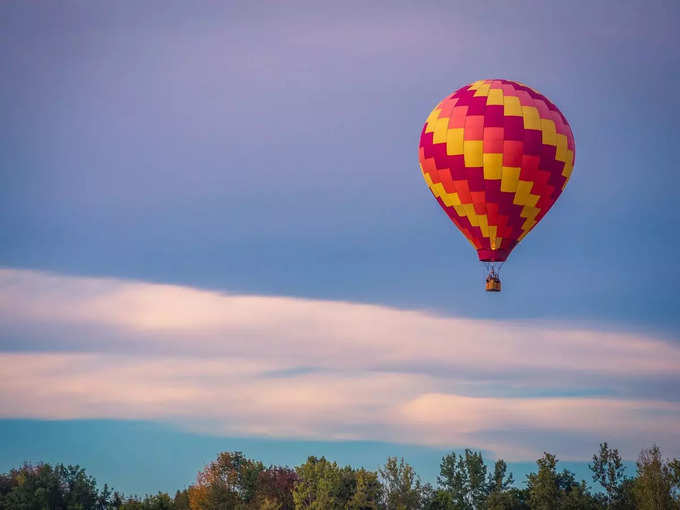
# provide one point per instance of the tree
(574, 495)
(269, 504)
(653, 486)
(550, 490)
(436, 499)
(230, 482)
(543, 486)
(322, 485)
(368, 492)
(510, 499)
(498, 481)
(43, 486)
(182, 500)
(402, 488)
(674, 469)
(464, 478)
(501, 496)
(104, 498)
(477, 483)
(453, 479)
(608, 471)
(275, 488)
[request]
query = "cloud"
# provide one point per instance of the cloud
(284, 367)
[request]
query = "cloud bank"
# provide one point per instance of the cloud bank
(74, 347)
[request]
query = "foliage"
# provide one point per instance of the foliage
(275, 488)
(465, 482)
(608, 471)
(43, 486)
(230, 482)
(322, 485)
(402, 487)
(368, 492)
(550, 490)
(656, 483)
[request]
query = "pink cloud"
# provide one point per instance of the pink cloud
(286, 367)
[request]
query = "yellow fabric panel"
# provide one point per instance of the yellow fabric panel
(476, 220)
(509, 179)
(449, 199)
(438, 190)
(532, 120)
(434, 115)
(483, 90)
(530, 213)
(549, 132)
(569, 164)
(561, 153)
(512, 106)
(454, 141)
(493, 165)
(440, 127)
(472, 152)
(495, 97)
(483, 221)
(523, 194)
(471, 214)
(477, 84)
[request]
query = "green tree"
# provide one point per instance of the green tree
(436, 499)
(453, 479)
(104, 498)
(608, 471)
(674, 470)
(477, 483)
(368, 492)
(501, 496)
(574, 495)
(544, 491)
(549, 490)
(464, 478)
(45, 487)
(510, 499)
(653, 485)
(401, 486)
(499, 481)
(322, 485)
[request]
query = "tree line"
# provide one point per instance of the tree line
(465, 482)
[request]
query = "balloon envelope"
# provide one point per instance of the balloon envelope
(496, 155)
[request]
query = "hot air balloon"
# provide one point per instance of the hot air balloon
(496, 155)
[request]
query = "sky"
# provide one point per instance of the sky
(213, 227)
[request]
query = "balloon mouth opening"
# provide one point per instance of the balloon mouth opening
(493, 255)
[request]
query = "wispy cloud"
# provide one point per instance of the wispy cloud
(284, 367)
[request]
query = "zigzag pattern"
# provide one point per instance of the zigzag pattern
(496, 154)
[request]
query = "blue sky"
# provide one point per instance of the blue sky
(269, 151)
